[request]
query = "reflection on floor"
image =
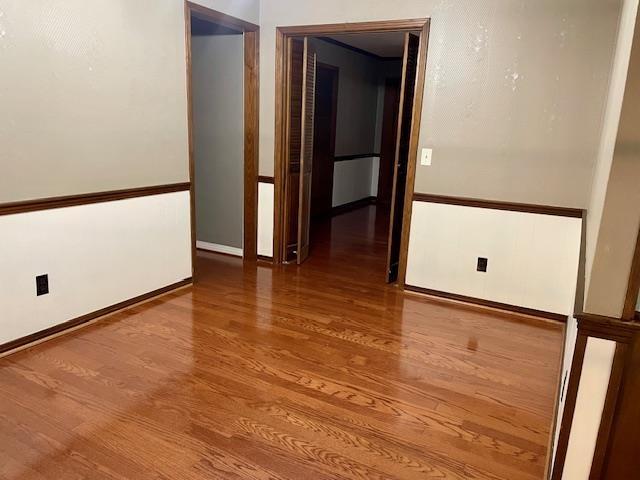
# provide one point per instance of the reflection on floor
(313, 372)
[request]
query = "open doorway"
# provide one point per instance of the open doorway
(222, 80)
(349, 135)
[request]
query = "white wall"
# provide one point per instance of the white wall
(594, 381)
(95, 255)
(265, 219)
(354, 180)
(532, 258)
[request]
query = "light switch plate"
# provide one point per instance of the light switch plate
(425, 157)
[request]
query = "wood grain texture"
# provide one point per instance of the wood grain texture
(89, 198)
(631, 300)
(500, 205)
(286, 372)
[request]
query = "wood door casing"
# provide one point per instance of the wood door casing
(326, 109)
(405, 119)
(306, 150)
(388, 140)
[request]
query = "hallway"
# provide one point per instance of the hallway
(321, 371)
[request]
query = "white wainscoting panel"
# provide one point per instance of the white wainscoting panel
(532, 258)
(95, 255)
(354, 180)
(265, 219)
(592, 391)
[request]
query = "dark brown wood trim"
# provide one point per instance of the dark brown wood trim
(556, 402)
(265, 179)
(423, 49)
(221, 18)
(279, 150)
(251, 139)
(265, 258)
(251, 122)
(608, 328)
(342, 158)
(500, 205)
(610, 404)
(349, 207)
(366, 53)
(88, 198)
(355, 27)
(569, 406)
(629, 310)
(558, 317)
(34, 337)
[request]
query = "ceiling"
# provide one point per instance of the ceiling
(385, 45)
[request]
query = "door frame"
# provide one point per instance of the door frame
(420, 25)
(251, 36)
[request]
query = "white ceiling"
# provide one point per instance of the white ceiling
(388, 44)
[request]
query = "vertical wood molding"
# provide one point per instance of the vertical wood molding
(192, 188)
(413, 151)
(569, 406)
(629, 310)
(610, 404)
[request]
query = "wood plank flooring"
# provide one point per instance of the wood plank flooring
(313, 372)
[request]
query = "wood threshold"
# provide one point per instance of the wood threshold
(500, 205)
(89, 198)
(557, 317)
(47, 333)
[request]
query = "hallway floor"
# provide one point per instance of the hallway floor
(315, 372)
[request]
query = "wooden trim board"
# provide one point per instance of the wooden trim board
(558, 317)
(56, 329)
(500, 205)
(349, 207)
(633, 287)
(265, 179)
(89, 198)
(342, 158)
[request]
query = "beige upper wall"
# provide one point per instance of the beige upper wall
(514, 95)
(617, 227)
(93, 94)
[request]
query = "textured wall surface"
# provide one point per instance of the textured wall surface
(514, 93)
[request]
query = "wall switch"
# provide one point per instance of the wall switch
(42, 285)
(425, 157)
(482, 264)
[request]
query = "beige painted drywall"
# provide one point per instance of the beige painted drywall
(514, 94)
(614, 236)
(93, 94)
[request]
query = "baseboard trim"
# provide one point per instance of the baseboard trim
(216, 247)
(70, 324)
(265, 258)
(348, 207)
(558, 317)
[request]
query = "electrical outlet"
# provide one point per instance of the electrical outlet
(42, 284)
(425, 157)
(482, 264)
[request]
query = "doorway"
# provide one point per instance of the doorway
(305, 138)
(222, 96)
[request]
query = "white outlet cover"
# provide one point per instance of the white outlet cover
(425, 157)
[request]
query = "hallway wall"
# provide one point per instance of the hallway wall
(218, 120)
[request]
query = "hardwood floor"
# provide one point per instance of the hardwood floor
(313, 372)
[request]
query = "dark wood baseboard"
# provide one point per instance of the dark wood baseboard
(355, 156)
(348, 207)
(88, 198)
(558, 317)
(265, 179)
(500, 205)
(34, 337)
(264, 258)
